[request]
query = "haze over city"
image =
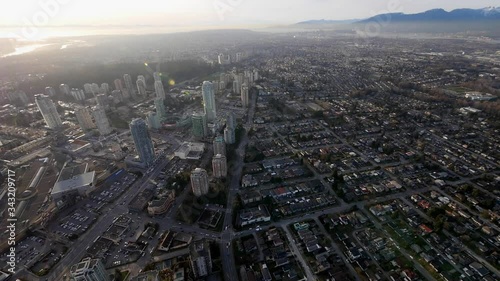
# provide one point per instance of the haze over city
(202, 14)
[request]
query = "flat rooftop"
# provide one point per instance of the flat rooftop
(74, 182)
(69, 172)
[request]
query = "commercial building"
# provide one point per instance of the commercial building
(160, 109)
(209, 101)
(48, 110)
(253, 215)
(245, 98)
(153, 120)
(128, 84)
(78, 94)
(157, 76)
(219, 166)
(141, 86)
(118, 84)
(89, 270)
(236, 87)
(102, 100)
(219, 145)
(199, 182)
(95, 89)
(65, 90)
(200, 258)
(87, 88)
(117, 96)
(104, 88)
(84, 118)
(101, 121)
(160, 91)
(200, 129)
(142, 141)
(231, 121)
(190, 150)
(229, 135)
(161, 205)
(73, 180)
(49, 91)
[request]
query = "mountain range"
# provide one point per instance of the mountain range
(436, 15)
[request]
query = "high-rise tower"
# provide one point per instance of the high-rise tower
(209, 101)
(49, 111)
(142, 141)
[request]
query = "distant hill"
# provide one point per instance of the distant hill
(326, 22)
(440, 15)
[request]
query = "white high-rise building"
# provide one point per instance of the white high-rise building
(249, 77)
(49, 91)
(160, 109)
(78, 94)
(245, 98)
(236, 87)
(84, 118)
(117, 96)
(141, 87)
(101, 121)
(65, 90)
(89, 270)
(141, 77)
(153, 120)
(87, 87)
(49, 111)
(102, 100)
(95, 89)
(224, 59)
(104, 88)
(256, 75)
(199, 182)
(118, 84)
(160, 91)
(128, 82)
(239, 56)
(219, 166)
(209, 101)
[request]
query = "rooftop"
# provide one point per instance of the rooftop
(75, 182)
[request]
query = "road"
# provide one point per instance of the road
(296, 252)
(76, 252)
(228, 265)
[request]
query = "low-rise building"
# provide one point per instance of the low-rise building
(161, 205)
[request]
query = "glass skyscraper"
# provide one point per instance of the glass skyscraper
(209, 101)
(142, 141)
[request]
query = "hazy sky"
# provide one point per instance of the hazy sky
(209, 12)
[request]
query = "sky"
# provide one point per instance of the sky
(203, 13)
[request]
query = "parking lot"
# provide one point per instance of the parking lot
(76, 224)
(27, 251)
(47, 260)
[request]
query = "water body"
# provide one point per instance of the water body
(24, 50)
